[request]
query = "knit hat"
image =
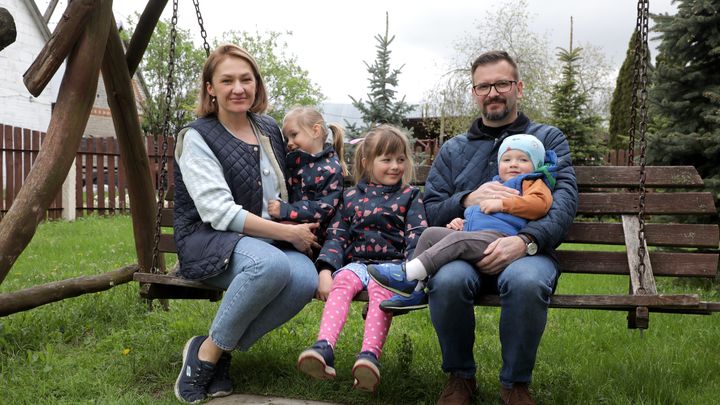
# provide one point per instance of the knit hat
(526, 143)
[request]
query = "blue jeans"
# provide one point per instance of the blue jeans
(265, 287)
(525, 287)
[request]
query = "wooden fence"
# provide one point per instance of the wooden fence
(100, 183)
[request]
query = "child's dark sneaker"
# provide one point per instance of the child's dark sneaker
(392, 277)
(318, 361)
(221, 384)
(366, 372)
(398, 305)
(195, 375)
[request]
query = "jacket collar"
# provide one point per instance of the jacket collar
(518, 126)
(366, 187)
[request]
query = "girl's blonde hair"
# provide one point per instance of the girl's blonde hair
(381, 140)
(307, 117)
(206, 106)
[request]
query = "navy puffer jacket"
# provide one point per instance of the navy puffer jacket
(469, 160)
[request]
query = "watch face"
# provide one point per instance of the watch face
(531, 248)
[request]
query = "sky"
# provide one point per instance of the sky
(332, 39)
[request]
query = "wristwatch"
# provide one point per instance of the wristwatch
(531, 247)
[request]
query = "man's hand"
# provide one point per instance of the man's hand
(456, 224)
(489, 191)
(324, 285)
(274, 208)
(500, 253)
(490, 206)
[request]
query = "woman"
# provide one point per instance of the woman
(230, 163)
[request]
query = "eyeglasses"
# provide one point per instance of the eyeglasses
(501, 86)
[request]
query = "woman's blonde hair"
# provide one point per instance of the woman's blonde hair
(381, 140)
(206, 106)
(307, 117)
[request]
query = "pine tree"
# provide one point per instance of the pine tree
(570, 113)
(381, 107)
(621, 105)
(686, 93)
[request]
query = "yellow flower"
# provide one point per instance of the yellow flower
(125, 351)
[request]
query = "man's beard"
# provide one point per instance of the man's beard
(499, 115)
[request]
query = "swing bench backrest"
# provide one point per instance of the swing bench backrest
(607, 215)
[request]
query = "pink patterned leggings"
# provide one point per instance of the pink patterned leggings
(345, 285)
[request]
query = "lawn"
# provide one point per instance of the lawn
(109, 348)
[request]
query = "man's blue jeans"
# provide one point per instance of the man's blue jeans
(265, 287)
(525, 287)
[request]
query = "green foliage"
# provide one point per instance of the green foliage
(686, 91)
(186, 79)
(381, 107)
(287, 83)
(621, 106)
(571, 114)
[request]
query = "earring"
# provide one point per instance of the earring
(212, 99)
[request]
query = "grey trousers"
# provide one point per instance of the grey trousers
(439, 246)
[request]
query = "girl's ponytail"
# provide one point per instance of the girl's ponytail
(338, 137)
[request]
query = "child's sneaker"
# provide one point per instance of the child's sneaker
(195, 375)
(221, 384)
(392, 277)
(398, 305)
(366, 372)
(318, 361)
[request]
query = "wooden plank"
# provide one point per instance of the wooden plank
(681, 235)
(100, 183)
(629, 176)
(79, 163)
(171, 280)
(27, 152)
(3, 153)
(112, 165)
(642, 280)
(655, 203)
(610, 301)
(664, 263)
(17, 162)
(89, 175)
(167, 244)
(166, 219)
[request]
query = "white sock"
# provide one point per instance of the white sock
(415, 270)
(420, 285)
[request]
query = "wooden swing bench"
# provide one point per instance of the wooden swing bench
(607, 192)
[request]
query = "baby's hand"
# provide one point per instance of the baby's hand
(456, 224)
(490, 206)
(274, 208)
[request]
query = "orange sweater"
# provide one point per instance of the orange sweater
(533, 204)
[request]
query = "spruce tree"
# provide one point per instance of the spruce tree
(570, 113)
(686, 93)
(381, 107)
(621, 105)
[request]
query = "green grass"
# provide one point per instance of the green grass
(107, 348)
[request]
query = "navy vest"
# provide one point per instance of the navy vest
(203, 251)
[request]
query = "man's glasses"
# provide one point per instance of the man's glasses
(502, 86)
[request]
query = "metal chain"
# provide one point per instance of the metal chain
(641, 109)
(203, 34)
(165, 129)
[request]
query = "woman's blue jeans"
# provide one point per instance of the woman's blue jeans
(265, 287)
(525, 287)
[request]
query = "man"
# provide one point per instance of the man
(525, 273)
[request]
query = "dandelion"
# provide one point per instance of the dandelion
(126, 351)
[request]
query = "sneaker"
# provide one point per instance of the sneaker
(366, 372)
(398, 305)
(318, 361)
(519, 394)
(458, 391)
(392, 277)
(221, 384)
(195, 375)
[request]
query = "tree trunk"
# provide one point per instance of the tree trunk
(8, 33)
(72, 110)
(143, 32)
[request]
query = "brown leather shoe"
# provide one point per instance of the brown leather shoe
(518, 395)
(458, 391)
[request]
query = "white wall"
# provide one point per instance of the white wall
(17, 106)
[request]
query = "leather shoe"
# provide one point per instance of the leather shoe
(519, 394)
(458, 391)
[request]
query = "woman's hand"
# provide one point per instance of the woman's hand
(302, 237)
(456, 224)
(274, 208)
(324, 285)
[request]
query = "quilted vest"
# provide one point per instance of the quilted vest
(204, 252)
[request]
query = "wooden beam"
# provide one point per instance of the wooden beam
(680, 235)
(8, 32)
(121, 100)
(629, 176)
(673, 264)
(50, 10)
(34, 297)
(72, 24)
(641, 282)
(655, 203)
(67, 124)
(143, 31)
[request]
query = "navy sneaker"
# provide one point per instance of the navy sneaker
(392, 277)
(366, 372)
(221, 384)
(398, 305)
(195, 375)
(318, 361)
